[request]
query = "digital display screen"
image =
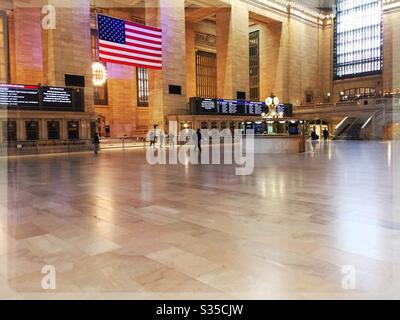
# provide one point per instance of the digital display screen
(255, 108)
(232, 107)
(208, 106)
(57, 97)
(19, 96)
(227, 107)
(285, 109)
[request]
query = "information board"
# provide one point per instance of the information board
(208, 106)
(28, 97)
(19, 96)
(55, 97)
(255, 108)
(227, 107)
(232, 107)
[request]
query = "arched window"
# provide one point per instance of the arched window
(358, 38)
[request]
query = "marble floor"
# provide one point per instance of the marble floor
(319, 225)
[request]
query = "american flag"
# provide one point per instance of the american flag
(128, 43)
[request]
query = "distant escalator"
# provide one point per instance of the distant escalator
(351, 129)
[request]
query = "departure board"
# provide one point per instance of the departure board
(31, 97)
(19, 96)
(227, 107)
(232, 107)
(208, 106)
(255, 108)
(55, 97)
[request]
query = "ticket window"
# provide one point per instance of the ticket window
(249, 127)
(204, 125)
(108, 131)
(186, 126)
(32, 130)
(73, 130)
(53, 130)
(9, 131)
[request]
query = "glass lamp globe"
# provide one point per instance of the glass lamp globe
(99, 74)
(276, 101)
(269, 101)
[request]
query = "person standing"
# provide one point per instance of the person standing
(326, 134)
(96, 143)
(199, 137)
(153, 137)
(162, 138)
(171, 140)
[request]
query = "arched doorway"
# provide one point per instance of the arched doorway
(102, 125)
(318, 126)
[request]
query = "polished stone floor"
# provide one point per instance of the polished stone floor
(324, 224)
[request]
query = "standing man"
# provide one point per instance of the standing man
(96, 143)
(326, 134)
(162, 138)
(153, 137)
(171, 140)
(199, 137)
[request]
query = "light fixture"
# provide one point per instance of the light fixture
(99, 72)
(272, 103)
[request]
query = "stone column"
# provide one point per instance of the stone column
(169, 15)
(233, 51)
(271, 59)
(190, 61)
(391, 51)
(25, 43)
(67, 48)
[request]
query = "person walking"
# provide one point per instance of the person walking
(314, 136)
(326, 134)
(96, 143)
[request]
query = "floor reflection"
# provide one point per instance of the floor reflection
(116, 226)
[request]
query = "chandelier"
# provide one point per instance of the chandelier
(99, 72)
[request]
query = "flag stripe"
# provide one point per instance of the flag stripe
(116, 53)
(129, 60)
(144, 37)
(144, 27)
(129, 47)
(124, 50)
(141, 32)
(155, 44)
(132, 64)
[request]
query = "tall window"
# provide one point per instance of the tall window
(142, 81)
(3, 48)
(255, 65)
(206, 74)
(358, 38)
(100, 93)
